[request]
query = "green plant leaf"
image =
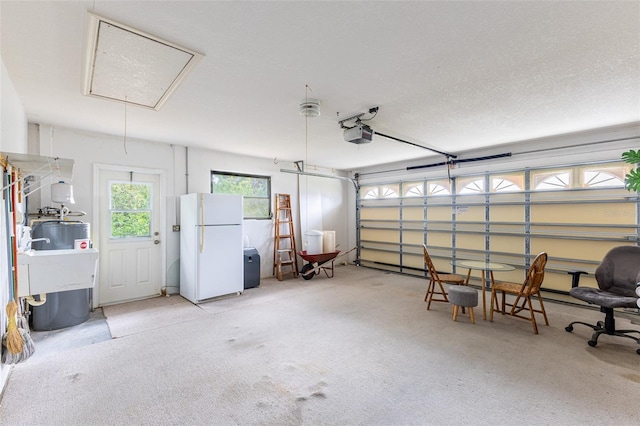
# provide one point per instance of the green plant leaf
(632, 180)
(631, 156)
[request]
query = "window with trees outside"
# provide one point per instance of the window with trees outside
(130, 209)
(256, 191)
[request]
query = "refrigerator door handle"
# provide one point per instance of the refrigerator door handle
(202, 223)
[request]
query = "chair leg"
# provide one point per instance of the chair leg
(429, 297)
(514, 306)
(544, 312)
(473, 319)
(431, 292)
(443, 292)
(494, 300)
(532, 313)
(494, 297)
(455, 312)
(608, 326)
(426, 296)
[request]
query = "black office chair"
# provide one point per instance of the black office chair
(618, 275)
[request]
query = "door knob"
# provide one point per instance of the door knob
(156, 241)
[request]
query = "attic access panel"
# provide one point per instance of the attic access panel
(127, 65)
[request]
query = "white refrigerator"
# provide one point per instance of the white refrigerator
(211, 246)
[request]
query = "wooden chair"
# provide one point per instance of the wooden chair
(437, 278)
(523, 292)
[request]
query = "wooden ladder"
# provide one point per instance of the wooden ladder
(284, 246)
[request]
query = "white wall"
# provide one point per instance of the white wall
(332, 197)
(322, 200)
(13, 138)
(13, 131)
(87, 148)
(188, 169)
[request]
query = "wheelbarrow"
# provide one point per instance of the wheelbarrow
(316, 263)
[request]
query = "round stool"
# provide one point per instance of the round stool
(467, 297)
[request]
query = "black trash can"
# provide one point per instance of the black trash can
(251, 268)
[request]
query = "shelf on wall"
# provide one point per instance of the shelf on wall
(34, 168)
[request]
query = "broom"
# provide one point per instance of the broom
(15, 343)
(14, 338)
(12, 355)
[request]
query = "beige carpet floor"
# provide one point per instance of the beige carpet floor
(357, 349)
(150, 314)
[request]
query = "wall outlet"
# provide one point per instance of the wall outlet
(176, 228)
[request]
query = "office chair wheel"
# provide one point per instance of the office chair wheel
(569, 328)
(592, 343)
(638, 351)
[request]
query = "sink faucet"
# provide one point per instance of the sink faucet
(28, 246)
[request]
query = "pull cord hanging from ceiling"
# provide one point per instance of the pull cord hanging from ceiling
(308, 108)
(311, 108)
(124, 142)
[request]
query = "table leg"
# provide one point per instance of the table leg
(468, 277)
(484, 305)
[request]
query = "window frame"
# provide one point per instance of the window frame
(267, 198)
(112, 210)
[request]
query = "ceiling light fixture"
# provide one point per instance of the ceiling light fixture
(310, 108)
(127, 65)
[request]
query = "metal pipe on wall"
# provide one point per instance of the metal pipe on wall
(186, 169)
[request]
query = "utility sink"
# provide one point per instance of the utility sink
(51, 271)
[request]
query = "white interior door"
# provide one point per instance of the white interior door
(130, 242)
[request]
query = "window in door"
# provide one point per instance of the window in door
(413, 189)
(507, 182)
(473, 185)
(129, 210)
(439, 187)
(604, 176)
(385, 191)
(552, 180)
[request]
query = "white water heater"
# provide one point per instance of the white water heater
(66, 308)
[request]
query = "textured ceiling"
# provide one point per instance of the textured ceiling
(454, 76)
